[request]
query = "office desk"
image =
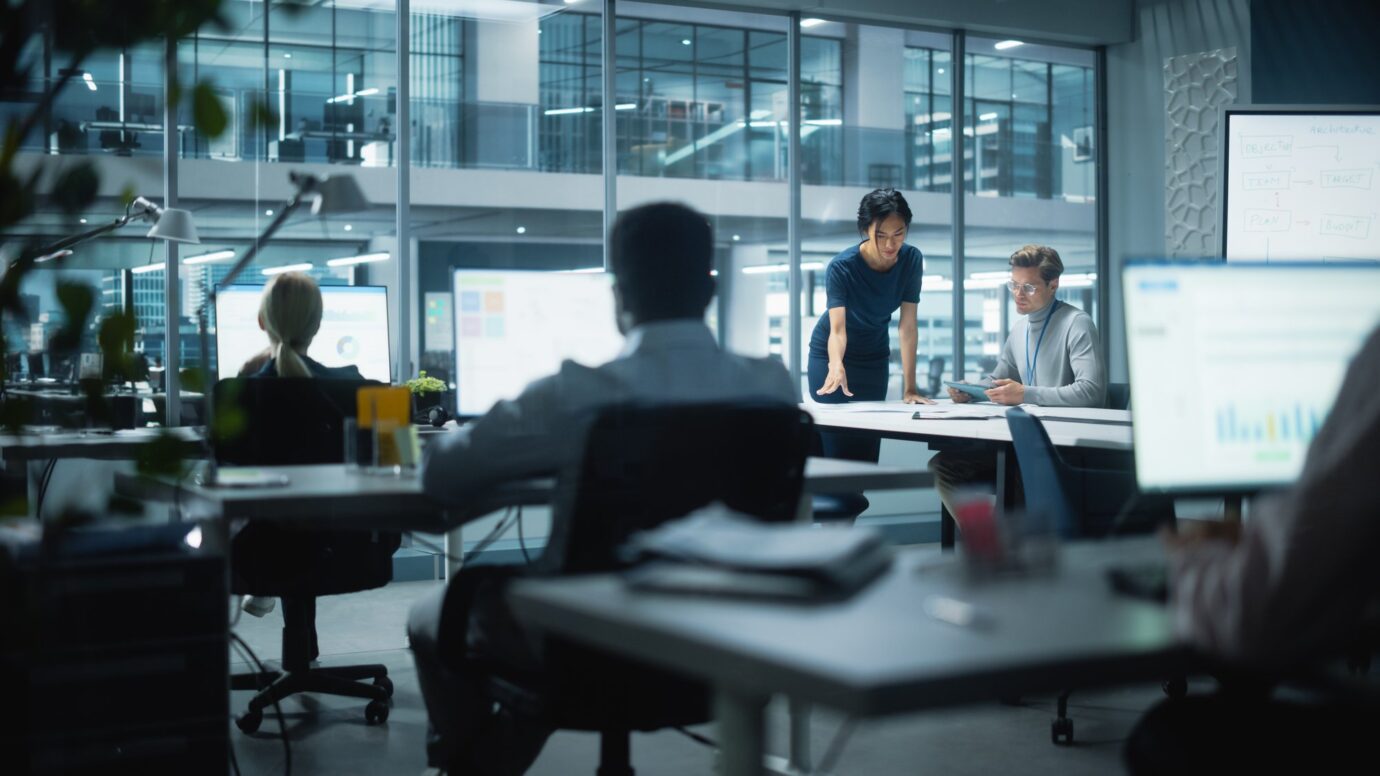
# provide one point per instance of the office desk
(879, 653)
(95, 445)
(354, 499)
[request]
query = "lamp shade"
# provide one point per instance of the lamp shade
(175, 225)
(338, 194)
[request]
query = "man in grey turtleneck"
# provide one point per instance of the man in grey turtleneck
(1051, 359)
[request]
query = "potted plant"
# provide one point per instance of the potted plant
(428, 394)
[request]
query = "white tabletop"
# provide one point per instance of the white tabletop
(1067, 426)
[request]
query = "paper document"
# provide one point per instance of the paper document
(856, 407)
(958, 411)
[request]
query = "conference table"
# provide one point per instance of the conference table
(1080, 432)
(923, 636)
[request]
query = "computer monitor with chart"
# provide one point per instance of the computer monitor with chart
(1234, 367)
(514, 326)
(354, 329)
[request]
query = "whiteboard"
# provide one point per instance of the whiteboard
(1302, 186)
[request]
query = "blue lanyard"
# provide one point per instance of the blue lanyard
(1030, 370)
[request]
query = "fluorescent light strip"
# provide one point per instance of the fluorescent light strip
(363, 258)
(1007, 44)
(90, 82)
(766, 269)
(808, 23)
(566, 111)
(142, 268)
(583, 271)
(207, 258)
(303, 267)
(988, 117)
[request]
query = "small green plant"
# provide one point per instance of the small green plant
(422, 384)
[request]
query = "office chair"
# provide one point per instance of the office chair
(1069, 496)
(934, 378)
(1118, 396)
(286, 421)
(643, 466)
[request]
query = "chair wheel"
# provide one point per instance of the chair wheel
(249, 721)
(376, 713)
(386, 684)
(1175, 688)
(1061, 732)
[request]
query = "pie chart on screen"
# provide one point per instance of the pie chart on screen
(347, 347)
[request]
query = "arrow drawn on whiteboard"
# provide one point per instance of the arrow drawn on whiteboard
(1336, 150)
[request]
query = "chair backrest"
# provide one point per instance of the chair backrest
(1118, 396)
(1044, 475)
(281, 421)
(936, 374)
(644, 465)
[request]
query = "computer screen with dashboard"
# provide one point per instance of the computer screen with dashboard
(514, 326)
(1234, 367)
(354, 329)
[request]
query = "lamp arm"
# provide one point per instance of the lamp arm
(253, 251)
(68, 242)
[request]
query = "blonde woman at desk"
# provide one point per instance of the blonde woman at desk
(290, 314)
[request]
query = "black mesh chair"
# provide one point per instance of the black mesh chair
(643, 466)
(287, 421)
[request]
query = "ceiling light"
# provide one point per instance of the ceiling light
(287, 56)
(807, 23)
(941, 71)
(90, 82)
(565, 111)
(268, 212)
(83, 220)
(988, 117)
(349, 228)
(363, 258)
(737, 237)
(522, 230)
(303, 267)
(142, 268)
(684, 41)
(1007, 44)
(207, 258)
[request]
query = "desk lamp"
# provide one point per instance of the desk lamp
(332, 195)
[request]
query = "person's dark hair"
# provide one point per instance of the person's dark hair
(877, 206)
(662, 254)
(1041, 256)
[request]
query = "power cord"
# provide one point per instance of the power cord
(277, 707)
(44, 479)
(522, 540)
(835, 750)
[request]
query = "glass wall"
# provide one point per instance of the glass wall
(1030, 178)
(506, 123)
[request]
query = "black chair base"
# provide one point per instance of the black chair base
(346, 681)
(615, 753)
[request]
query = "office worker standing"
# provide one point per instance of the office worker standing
(661, 257)
(850, 349)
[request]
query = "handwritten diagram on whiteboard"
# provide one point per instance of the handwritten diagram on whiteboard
(1303, 187)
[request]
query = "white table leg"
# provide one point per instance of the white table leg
(455, 550)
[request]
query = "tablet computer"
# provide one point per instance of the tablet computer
(975, 391)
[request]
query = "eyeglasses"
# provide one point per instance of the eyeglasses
(1017, 288)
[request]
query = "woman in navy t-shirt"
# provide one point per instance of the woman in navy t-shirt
(850, 349)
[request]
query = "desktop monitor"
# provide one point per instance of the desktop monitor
(354, 329)
(1234, 366)
(514, 326)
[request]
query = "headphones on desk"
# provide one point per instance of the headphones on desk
(437, 416)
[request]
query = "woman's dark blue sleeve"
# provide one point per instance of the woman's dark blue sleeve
(911, 292)
(836, 285)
